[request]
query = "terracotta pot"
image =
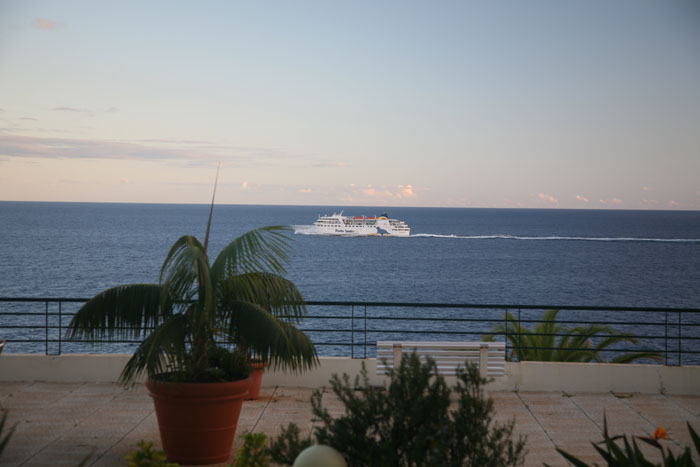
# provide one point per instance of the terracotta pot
(256, 375)
(197, 421)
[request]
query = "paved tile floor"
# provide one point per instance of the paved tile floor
(61, 424)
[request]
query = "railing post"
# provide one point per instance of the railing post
(505, 326)
(365, 331)
(352, 333)
(59, 327)
(666, 338)
(520, 344)
(46, 330)
(680, 349)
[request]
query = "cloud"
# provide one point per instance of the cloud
(673, 204)
(244, 185)
(646, 188)
(613, 200)
(407, 191)
(68, 109)
(304, 190)
(194, 153)
(78, 110)
(582, 198)
(697, 192)
(369, 191)
(326, 164)
(125, 181)
(549, 198)
(28, 146)
(384, 193)
(44, 24)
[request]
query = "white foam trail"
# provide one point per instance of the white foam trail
(302, 229)
(586, 239)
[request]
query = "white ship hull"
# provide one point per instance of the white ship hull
(337, 224)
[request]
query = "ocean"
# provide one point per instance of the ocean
(454, 255)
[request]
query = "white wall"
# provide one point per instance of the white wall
(524, 376)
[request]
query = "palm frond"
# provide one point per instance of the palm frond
(263, 249)
(185, 272)
(695, 437)
(272, 292)
(125, 311)
(573, 347)
(294, 351)
(164, 349)
(549, 341)
(268, 338)
(5, 435)
(546, 332)
(515, 333)
(630, 357)
(186, 268)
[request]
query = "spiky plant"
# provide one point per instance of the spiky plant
(241, 298)
(550, 341)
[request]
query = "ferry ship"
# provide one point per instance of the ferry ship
(338, 224)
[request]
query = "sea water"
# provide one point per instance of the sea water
(454, 255)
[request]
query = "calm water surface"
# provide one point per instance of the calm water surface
(547, 257)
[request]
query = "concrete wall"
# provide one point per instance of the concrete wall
(524, 376)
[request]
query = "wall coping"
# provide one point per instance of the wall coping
(519, 376)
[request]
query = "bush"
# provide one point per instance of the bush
(631, 455)
(147, 456)
(411, 423)
(253, 453)
(285, 448)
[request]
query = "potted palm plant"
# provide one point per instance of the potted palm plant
(242, 298)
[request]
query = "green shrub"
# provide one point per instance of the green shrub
(147, 456)
(550, 341)
(410, 421)
(631, 455)
(254, 453)
(285, 448)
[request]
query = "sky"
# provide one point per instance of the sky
(534, 104)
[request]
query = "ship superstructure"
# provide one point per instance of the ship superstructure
(338, 224)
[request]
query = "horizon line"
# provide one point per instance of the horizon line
(553, 208)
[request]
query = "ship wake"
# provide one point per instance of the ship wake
(554, 238)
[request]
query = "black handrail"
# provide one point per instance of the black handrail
(675, 345)
(415, 305)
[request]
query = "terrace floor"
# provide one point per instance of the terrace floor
(62, 423)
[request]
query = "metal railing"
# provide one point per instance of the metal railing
(347, 328)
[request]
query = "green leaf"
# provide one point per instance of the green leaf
(126, 312)
(270, 291)
(185, 272)
(696, 438)
(574, 460)
(162, 351)
(260, 250)
(269, 338)
(5, 437)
